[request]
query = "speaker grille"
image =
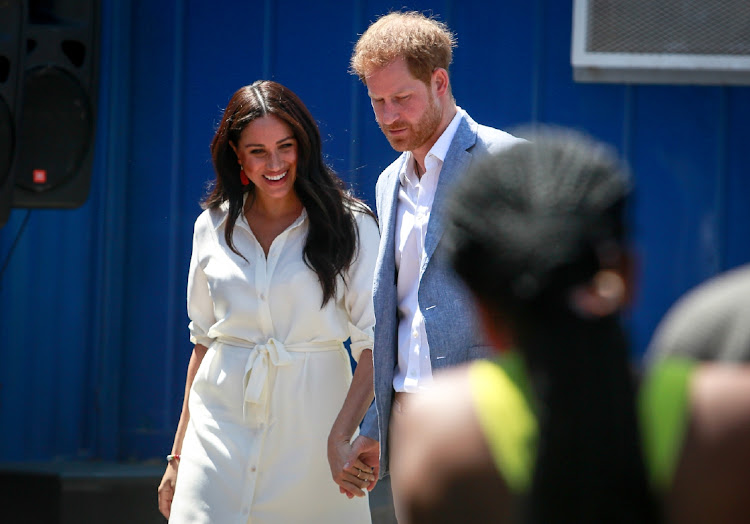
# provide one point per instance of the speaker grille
(7, 141)
(690, 27)
(56, 129)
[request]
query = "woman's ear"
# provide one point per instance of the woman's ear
(609, 291)
(605, 294)
(494, 327)
(629, 269)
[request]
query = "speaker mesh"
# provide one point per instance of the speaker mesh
(694, 27)
(56, 129)
(7, 141)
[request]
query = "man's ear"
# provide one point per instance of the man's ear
(440, 82)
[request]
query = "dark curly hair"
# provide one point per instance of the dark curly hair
(332, 236)
(552, 216)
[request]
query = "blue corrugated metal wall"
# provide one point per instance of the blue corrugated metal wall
(95, 345)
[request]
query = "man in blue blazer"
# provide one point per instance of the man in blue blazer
(425, 319)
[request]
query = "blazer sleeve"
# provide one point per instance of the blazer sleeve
(369, 426)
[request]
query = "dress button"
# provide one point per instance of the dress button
(415, 334)
(252, 468)
(262, 296)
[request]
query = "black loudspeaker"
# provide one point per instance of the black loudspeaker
(58, 107)
(12, 47)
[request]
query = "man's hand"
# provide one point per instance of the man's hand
(354, 466)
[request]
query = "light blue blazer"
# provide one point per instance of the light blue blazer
(450, 316)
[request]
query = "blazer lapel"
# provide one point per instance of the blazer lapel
(457, 162)
(388, 208)
(385, 266)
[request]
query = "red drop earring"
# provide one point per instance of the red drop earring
(243, 177)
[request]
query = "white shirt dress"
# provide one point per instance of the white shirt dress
(273, 379)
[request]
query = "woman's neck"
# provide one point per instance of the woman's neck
(272, 209)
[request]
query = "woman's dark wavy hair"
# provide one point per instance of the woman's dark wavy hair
(332, 236)
(523, 229)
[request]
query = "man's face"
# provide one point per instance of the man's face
(405, 108)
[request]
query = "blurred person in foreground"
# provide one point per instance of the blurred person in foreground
(280, 276)
(425, 319)
(556, 427)
(710, 322)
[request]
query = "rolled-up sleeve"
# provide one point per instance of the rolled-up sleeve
(358, 298)
(199, 303)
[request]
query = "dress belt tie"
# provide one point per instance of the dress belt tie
(256, 377)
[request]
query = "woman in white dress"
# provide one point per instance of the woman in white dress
(280, 276)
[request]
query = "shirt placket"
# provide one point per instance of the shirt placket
(263, 288)
(418, 325)
(264, 270)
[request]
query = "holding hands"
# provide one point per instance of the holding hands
(354, 465)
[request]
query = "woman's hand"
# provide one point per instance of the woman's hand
(166, 488)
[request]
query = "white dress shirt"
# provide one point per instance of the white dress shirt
(273, 378)
(415, 197)
(276, 295)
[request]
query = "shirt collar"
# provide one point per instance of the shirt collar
(439, 149)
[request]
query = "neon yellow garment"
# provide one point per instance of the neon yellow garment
(504, 406)
(663, 403)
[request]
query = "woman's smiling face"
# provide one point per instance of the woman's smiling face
(267, 151)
